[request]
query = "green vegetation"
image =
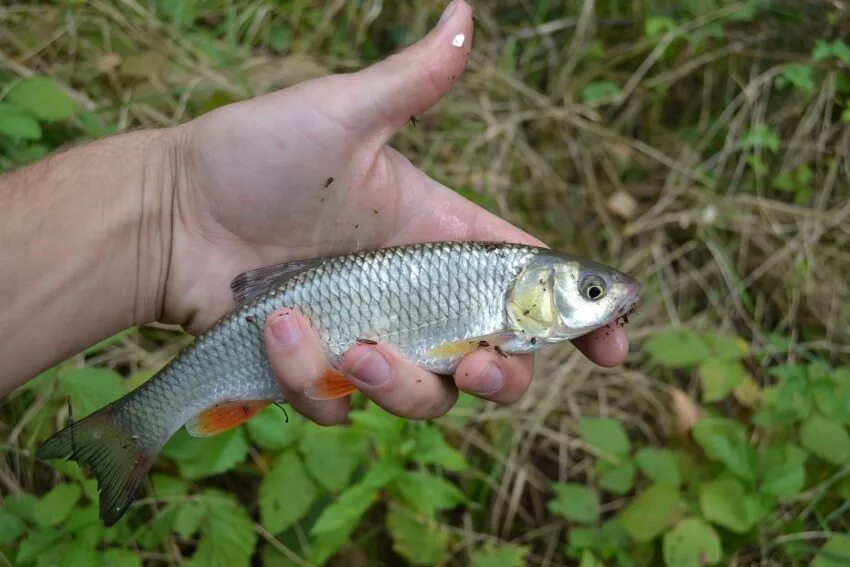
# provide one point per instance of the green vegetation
(701, 146)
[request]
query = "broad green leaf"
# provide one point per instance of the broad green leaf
(201, 457)
(782, 470)
(417, 539)
(590, 560)
(726, 347)
(575, 502)
(119, 558)
(431, 448)
(835, 553)
(164, 486)
(286, 493)
(380, 425)
(691, 543)
(651, 512)
(723, 502)
(500, 556)
(659, 465)
(604, 434)
(43, 98)
(188, 517)
(55, 506)
(269, 429)
(656, 26)
(90, 389)
(17, 124)
(719, 377)
(826, 439)
(37, 543)
(798, 76)
(11, 527)
(331, 454)
(228, 537)
(22, 506)
(725, 440)
(677, 348)
(427, 493)
(618, 479)
(598, 90)
(353, 503)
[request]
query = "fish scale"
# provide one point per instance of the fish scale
(432, 302)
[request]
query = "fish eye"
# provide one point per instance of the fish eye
(593, 289)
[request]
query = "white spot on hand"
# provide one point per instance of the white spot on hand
(458, 40)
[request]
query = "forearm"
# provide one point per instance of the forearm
(84, 239)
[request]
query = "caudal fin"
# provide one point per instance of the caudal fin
(115, 458)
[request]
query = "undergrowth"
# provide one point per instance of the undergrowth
(702, 146)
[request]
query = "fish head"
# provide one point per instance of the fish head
(558, 296)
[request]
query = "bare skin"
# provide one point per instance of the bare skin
(157, 230)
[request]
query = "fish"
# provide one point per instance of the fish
(434, 302)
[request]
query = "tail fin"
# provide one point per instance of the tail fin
(115, 458)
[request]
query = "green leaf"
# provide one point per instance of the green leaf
(691, 543)
(760, 136)
(427, 493)
(379, 425)
(656, 26)
(598, 90)
(826, 439)
(269, 430)
(723, 502)
(331, 454)
(432, 449)
(415, 538)
(725, 440)
(17, 124)
(835, 553)
(43, 98)
(11, 527)
(659, 465)
(286, 493)
(618, 479)
(55, 506)
(589, 560)
(22, 505)
(37, 543)
(800, 77)
(677, 348)
(651, 512)
(90, 389)
(575, 502)
(719, 377)
(201, 457)
(500, 556)
(119, 558)
(782, 470)
(228, 537)
(188, 517)
(164, 486)
(346, 510)
(604, 434)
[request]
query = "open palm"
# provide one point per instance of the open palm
(306, 172)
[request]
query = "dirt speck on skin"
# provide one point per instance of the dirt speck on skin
(329, 181)
(367, 341)
(483, 344)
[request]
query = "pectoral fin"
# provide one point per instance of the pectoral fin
(224, 416)
(329, 386)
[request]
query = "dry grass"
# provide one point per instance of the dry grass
(716, 246)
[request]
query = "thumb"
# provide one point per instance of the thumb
(388, 93)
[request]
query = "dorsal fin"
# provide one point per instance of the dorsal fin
(254, 283)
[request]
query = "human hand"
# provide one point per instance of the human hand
(305, 172)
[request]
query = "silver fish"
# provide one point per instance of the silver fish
(433, 302)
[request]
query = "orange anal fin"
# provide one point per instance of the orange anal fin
(465, 346)
(329, 386)
(224, 416)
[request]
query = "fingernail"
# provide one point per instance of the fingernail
(371, 368)
(490, 380)
(447, 13)
(286, 330)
